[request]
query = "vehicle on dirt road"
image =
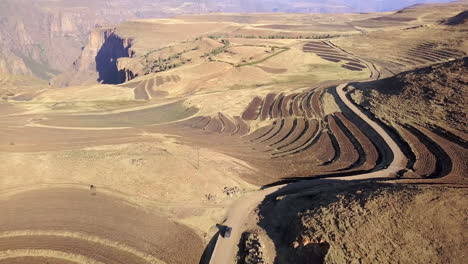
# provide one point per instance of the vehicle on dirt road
(227, 232)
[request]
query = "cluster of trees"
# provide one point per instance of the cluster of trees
(219, 50)
(317, 36)
(163, 64)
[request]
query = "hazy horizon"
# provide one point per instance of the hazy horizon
(264, 6)
(310, 6)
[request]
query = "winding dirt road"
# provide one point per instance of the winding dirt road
(226, 248)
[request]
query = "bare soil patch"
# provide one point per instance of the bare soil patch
(89, 223)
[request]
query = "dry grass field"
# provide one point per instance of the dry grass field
(211, 108)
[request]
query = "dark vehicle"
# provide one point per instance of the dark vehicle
(227, 232)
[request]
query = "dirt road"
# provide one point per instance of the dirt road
(226, 248)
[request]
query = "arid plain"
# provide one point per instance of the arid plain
(165, 129)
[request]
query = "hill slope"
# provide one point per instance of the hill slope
(371, 223)
(459, 19)
(431, 96)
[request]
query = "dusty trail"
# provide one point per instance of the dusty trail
(225, 248)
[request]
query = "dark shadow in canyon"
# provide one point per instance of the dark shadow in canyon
(106, 60)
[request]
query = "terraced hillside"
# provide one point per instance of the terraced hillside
(427, 53)
(326, 51)
(312, 133)
(218, 119)
(148, 89)
(292, 135)
(430, 121)
(409, 39)
(289, 136)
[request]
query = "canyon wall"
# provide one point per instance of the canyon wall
(43, 38)
(98, 61)
(37, 42)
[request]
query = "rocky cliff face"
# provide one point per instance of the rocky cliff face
(10, 63)
(104, 48)
(99, 59)
(43, 38)
(106, 59)
(38, 42)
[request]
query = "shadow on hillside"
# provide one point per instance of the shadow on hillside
(279, 214)
(206, 256)
(107, 58)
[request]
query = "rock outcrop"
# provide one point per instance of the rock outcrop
(43, 38)
(96, 40)
(107, 58)
(250, 249)
(99, 60)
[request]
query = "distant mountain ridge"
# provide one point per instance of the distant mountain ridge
(311, 6)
